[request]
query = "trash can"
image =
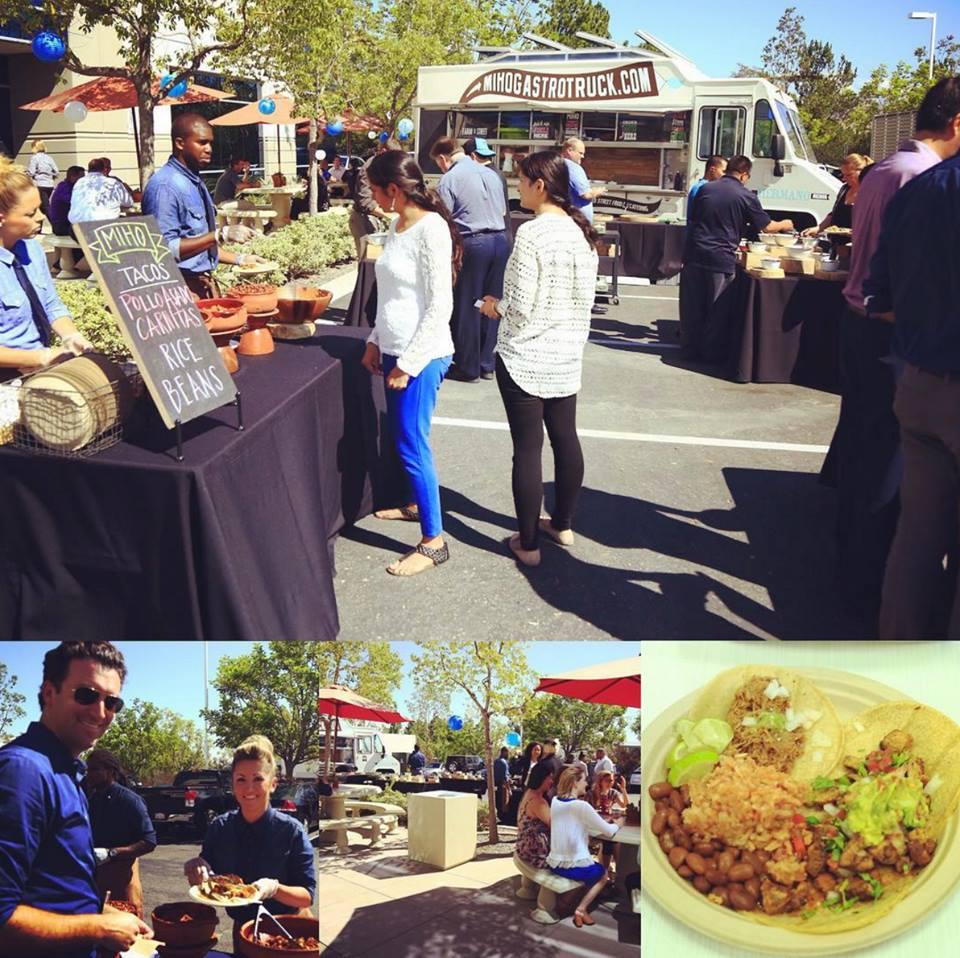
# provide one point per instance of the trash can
(442, 828)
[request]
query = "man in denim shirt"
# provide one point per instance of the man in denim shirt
(48, 893)
(184, 209)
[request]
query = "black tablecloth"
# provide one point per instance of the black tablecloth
(235, 542)
(651, 250)
(363, 304)
(444, 785)
(787, 331)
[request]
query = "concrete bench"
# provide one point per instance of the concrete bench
(541, 884)
(66, 245)
(374, 826)
(365, 810)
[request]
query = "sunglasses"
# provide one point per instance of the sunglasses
(88, 696)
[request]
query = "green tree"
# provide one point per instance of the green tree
(153, 743)
(495, 677)
(562, 19)
(137, 25)
(636, 727)
(272, 691)
(11, 701)
(579, 726)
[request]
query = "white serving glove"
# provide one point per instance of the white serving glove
(266, 888)
(77, 343)
(236, 234)
(101, 855)
(197, 870)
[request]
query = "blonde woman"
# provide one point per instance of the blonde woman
(32, 315)
(572, 822)
(263, 846)
(841, 215)
(605, 796)
(43, 170)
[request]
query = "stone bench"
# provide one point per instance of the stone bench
(66, 245)
(375, 826)
(363, 810)
(544, 886)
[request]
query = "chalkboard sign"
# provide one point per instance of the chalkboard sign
(177, 357)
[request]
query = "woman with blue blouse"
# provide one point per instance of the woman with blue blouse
(32, 316)
(266, 848)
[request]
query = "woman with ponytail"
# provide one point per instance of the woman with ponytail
(545, 319)
(411, 344)
(32, 315)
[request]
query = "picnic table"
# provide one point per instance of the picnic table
(255, 219)
(281, 199)
(628, 850)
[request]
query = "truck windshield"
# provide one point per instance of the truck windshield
(801, 129)
(786, 117)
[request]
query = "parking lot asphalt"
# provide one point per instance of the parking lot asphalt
(701, 515)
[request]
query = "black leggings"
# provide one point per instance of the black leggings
(527, 416)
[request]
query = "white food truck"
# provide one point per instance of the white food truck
(649, 118)
(365, 748)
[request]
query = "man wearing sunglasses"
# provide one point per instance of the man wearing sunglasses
(49, 902)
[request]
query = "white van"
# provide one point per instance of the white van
(650, 120)
(364, 750)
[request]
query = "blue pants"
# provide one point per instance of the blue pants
(410, 411)
(474, 336)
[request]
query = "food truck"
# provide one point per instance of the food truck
(649, 118)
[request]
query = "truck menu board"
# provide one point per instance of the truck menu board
(177, 357)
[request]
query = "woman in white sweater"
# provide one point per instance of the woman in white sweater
(548, 291)
(572, 822)
(411, 344)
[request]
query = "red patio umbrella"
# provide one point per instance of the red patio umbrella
(341, 702)
(609, 683)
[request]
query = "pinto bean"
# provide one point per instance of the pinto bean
(660, 790)
(663, 805)
(673, 818)
(752, 885)
(721, 893)
(753, 859)
(701, 884)
(725, 860)
(719, 845)
(666, 841)
(684, 872)
(741, 899)
(659, 823)
(763, 855)
(682, 837)
(696, 863)
(677, 856)
(715, 876)
(742, 871)
(703, 848)
(676, 800)
(685, 795)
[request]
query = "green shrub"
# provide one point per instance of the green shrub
(390, 797)
(87, 306)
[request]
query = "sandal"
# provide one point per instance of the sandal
(436, 556)
(581, 918)
(406, 514)
(529, 557)
(563, 537)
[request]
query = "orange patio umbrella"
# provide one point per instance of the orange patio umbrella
(246, 115)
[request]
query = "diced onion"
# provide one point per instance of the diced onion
(749, 721)
(935, 782)
(830, 808)
(858, 726)
(819, 738)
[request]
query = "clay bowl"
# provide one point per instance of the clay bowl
(256, 342)
(229, 356)
(303, 304)
(256, 302)
(188, 951)
(234, 320)
(298, 927)
(169, 927)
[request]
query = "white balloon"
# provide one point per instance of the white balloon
(321, 155)
(75, 111)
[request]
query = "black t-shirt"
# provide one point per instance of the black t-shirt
(842, 214)
(721, 213)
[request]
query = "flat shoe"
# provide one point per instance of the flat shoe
(529, 557)
(436, 556)
(406, 514)
(563, 537)
(581, 918)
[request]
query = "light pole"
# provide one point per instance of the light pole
(932, 17)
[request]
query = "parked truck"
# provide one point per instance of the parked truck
(650, 120)
(196, 798)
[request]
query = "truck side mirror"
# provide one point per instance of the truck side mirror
(778, 147)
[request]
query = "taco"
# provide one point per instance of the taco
(778, 718)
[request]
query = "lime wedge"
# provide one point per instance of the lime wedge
(679, 750)
(713, 733)
(693, 766)
(685, 729)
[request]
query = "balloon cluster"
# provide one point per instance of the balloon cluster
(267, 106)
(454, 723)
(405, 127)
(513, 739)
(173, 90)
(48, 46)
(383, 137)
(335, 127)
(75, 111)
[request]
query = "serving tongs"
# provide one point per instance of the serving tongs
(261, 911)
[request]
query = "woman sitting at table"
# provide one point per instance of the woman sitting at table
(841, 215)
(605, 796)
(572, 822)
(266, 848)
(411, 344)
(533, 819)
(32, 315)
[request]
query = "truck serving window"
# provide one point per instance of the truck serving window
(764, 126)
(721, 131)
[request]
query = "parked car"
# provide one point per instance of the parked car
(196, 798)
(299, 799)
(464, 763)
(432, 768)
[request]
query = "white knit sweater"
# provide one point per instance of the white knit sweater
(571, 824)
(415, 294)
(548, 290)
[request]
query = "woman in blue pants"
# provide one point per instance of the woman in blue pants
(411, 344)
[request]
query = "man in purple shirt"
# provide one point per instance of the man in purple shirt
(867, 443)
(60, 203)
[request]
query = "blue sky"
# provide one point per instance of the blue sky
(716, 37)
(170, 674)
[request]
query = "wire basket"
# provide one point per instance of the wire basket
(70, 411)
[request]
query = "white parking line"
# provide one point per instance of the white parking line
(625, 343)
(648, 437)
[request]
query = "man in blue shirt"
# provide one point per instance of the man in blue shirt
(716, 167)
(724, 211)
(914, 281)
(416, 761)
(474, 195)
(501, 781)
(178, 199)
(49, 902)
(582, 194)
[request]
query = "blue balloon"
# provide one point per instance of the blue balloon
(171, 89)
(48, 46)
(454, 723)
(335, 127)
(384, 137)
(403, 136)
(405, 127)
(513, 739)
(266, 106)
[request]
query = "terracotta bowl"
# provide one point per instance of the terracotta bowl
(298, 927)
(257, 302)
(234, 320)
(229, 356)
(188, 951)
(169, 926)
(303, 304)
(256, 342)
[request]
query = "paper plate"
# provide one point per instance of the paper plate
(849, 694)
(253, 269)
(197, 895)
